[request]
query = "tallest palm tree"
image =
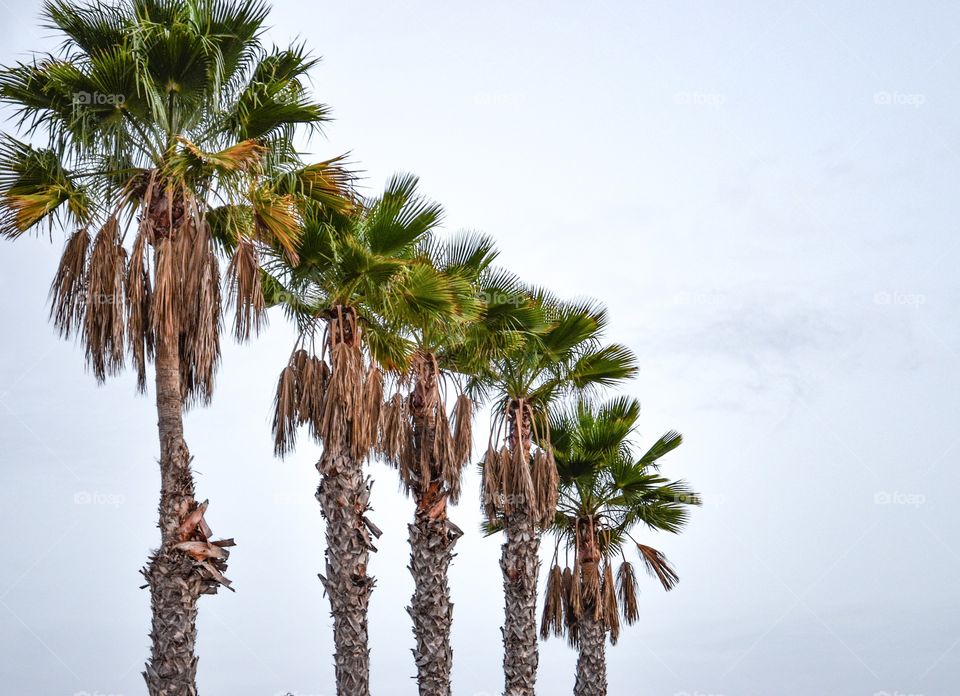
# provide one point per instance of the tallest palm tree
(168, 129)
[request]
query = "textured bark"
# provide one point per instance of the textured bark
(344, 496)
(432, 538)
(175, 584)
(520, 565)
(431, 550)
(591, 663)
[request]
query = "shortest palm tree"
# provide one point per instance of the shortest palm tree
(605, 491)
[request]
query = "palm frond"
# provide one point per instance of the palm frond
(658, 566)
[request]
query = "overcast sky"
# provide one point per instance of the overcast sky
(765, 195)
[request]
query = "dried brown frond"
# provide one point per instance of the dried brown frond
(285, 412)
(366, 418)
(569, 618)
(202, 342)
(299, 360)
(139, 292)
(521, 484)
(546, 482)
(505, 484)
(658, 566)
(446, 466)
(68, 290)
(305, 389)
(246, 292)
(591, 587)
(553, 603)
(312, 374)
(164, 316)
(319, 377)
(576, 605)
(391, 430)
(490, 484)
(103, 328)
(463, 429)
(611, 616)
(627, 590)
(344, 395)
(395, 442)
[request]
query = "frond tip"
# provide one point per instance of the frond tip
(627, 591)
(552, 621)
(658, 566)
(69, 285)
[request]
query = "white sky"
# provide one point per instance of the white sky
(765, 195)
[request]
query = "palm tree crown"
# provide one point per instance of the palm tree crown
(358, 280)
(171, 112)
(565, 356)
(606, 491)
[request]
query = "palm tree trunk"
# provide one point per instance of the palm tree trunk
(432, 539)
(520, 564)
(175, 586)
(344, 496)
(592, 661)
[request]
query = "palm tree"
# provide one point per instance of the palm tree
(358, 277)
(605, 492)
(169, 131)
(519, 476)
(419, 440)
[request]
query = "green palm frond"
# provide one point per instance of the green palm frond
(604, 367)
(599, 478)
(35, 186)
(399, 217)
(667, 443)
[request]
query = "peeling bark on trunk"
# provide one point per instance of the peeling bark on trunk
(520, 565)
(431, 550)
(591, 663)
(175, 584)
(344, 496)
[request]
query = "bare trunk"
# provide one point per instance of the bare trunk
(344, 496)
(431, 550)
(591, 663)
(175, 584)
(520, 565)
